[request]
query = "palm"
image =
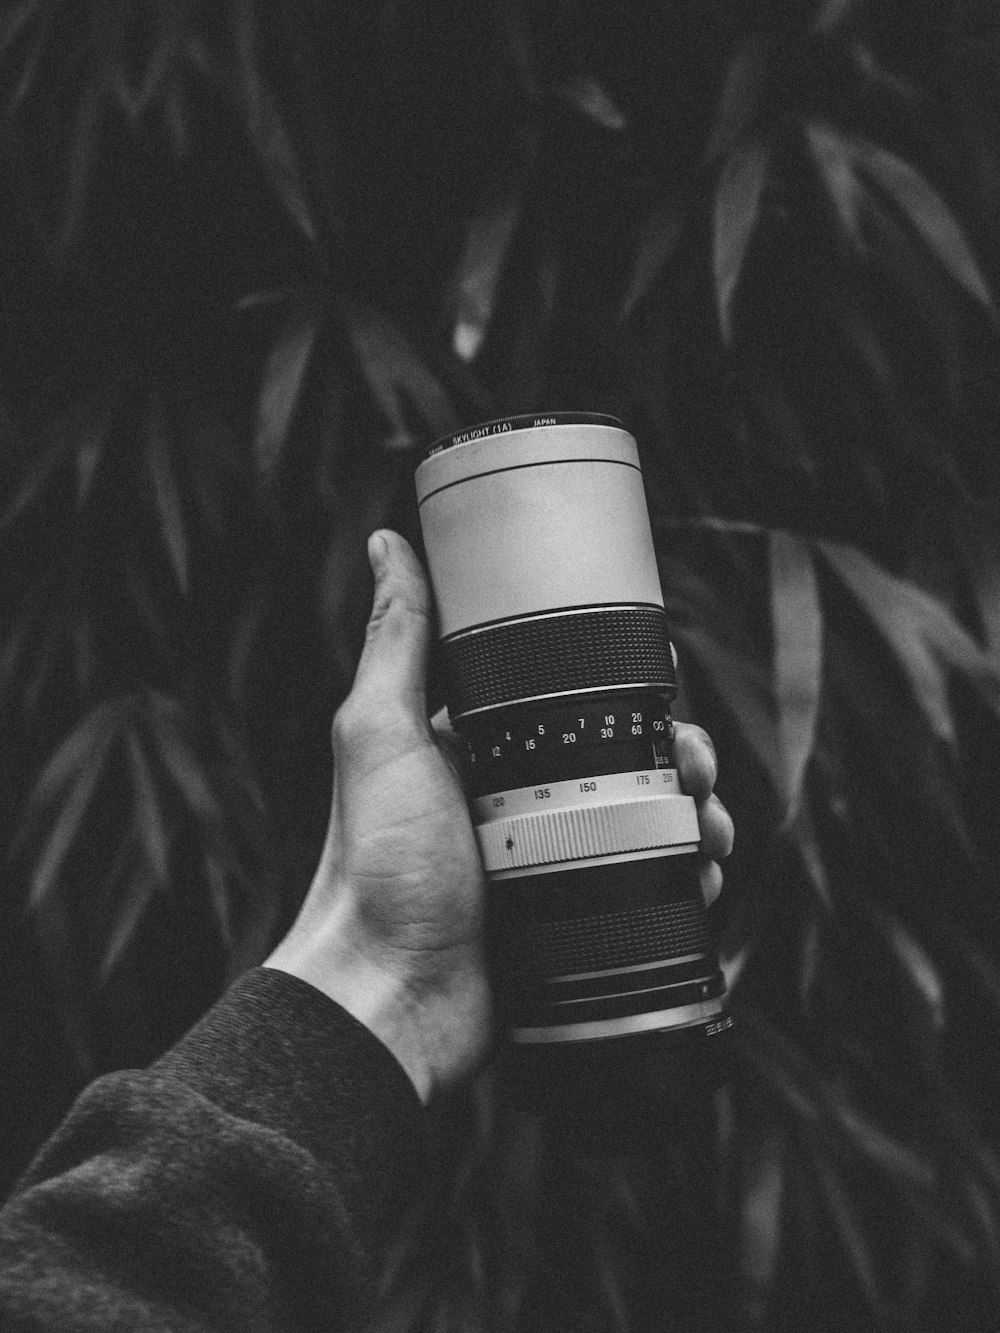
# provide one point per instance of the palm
(406, 847)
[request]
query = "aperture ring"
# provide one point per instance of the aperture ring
(582, 649)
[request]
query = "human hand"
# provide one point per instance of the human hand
(391, 928)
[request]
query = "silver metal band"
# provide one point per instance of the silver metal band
(575, 833)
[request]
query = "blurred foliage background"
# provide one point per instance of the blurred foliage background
(254, 256)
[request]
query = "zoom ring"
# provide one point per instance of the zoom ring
(553, 654)
(598, 830)
(618, 939)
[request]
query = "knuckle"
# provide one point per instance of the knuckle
(350, 722)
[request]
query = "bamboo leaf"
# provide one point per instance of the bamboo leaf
(737, 210)
(85, 653)
(850, 1229)
(831, 14)
(797, 629)
(284, 375)
(89, 448)
(219, 897)
(148, 824)
(73, 774)
(40, 467)
(593, 100)
(906, 1168)
(12, 22)
(262, 117)
(133, 905)
(740, 96)
(29, 66)
(83, 155)
(803, 834)
(181, 762)
(167, 498)
(864, 58)
(837, 164)
(517, 42)
(928, 214)
(395, 373)
(658, 241)
(761, 1200)
(921, 972)
(741, 690)
(486, 244)
(86, 745)
(927, 641)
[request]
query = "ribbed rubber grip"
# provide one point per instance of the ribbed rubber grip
(586, 649)
(585, 831)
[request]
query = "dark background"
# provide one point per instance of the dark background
(253, 257)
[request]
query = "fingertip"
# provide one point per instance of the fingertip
(718, 832)
(710, 879)
(378, 552)
(694, 755)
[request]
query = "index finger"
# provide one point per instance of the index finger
(694, 755)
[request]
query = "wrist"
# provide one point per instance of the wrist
(382, 1002)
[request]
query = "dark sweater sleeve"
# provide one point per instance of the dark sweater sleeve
(249, 1180)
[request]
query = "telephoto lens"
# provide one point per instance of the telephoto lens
(560, 676)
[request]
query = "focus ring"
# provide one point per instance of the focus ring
(584, 831)
(553, 654)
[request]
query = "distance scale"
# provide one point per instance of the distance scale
(518, 746)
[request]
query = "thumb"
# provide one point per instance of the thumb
(393, 665)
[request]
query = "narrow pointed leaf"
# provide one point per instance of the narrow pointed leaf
(38, 472)
(181, 762)
(87, 745)
(395, 373)
(13, 21)
(89, 448)
(760, 1220)
(658, 241)
(82, 159)
(593, 100)
(850, 1228)
(926, 639)
(133, 905)
(483, 256)
(802, 832)
(837, 164)
(742, 693)
(284, 375)
(831, 13)
(517, 42)
(274, 149)
(928, 214)
(87, 748)
(220, 898)
(168, 501)
(921, 971)
(28, 69)
(797, 630)
(149, 826)
(864, 58)
(740, 97)
(737, 211)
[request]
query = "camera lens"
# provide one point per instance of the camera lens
(560, 677)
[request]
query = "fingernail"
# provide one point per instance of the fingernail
(378, 551)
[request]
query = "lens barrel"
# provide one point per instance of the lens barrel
(560, 676)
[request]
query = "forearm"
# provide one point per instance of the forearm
(250, 1179)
